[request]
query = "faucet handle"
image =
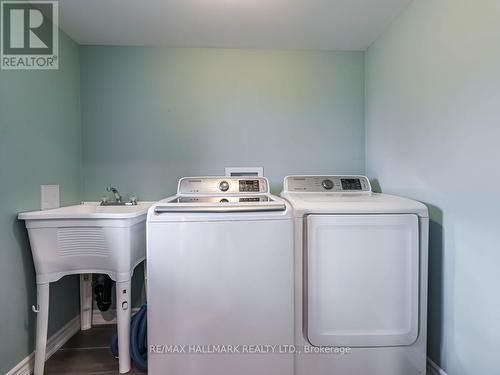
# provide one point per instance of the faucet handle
(133, 199)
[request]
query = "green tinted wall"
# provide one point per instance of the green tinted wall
(153, 115)
(40, 138)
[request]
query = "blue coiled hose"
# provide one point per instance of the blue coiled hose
(138, 340)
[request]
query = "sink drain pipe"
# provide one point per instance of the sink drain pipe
(103, 290)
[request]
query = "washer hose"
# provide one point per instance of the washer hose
(138, 340)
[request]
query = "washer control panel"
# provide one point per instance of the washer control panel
(222, 185)
(325, 184)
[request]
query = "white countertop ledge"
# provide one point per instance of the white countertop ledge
(88, 210)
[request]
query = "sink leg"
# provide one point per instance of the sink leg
(123, 310)
(42, 320)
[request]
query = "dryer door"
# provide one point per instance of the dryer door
(362, 280)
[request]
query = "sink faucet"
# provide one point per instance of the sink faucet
(115, 192)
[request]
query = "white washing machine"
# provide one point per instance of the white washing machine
(220, 280)
(360, 278)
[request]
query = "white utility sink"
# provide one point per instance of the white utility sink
(89, 210)
(83, 239)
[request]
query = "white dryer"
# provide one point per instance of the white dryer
(360, 278)
(220, 280)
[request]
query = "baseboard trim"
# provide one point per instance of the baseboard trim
(107, 317)
(433, 368)
(54, 343)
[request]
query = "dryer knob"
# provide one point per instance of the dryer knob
(327, 184)
(224, 186)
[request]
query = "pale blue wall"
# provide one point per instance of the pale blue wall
(152, 115)
(40, 138)
(432, 133)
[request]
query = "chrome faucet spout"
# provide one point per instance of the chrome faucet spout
(115, 192)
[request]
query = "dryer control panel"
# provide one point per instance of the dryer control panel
(327, 184)
(223, 185)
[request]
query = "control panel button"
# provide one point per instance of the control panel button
(224, 200)
(327, 184)
(224, 186)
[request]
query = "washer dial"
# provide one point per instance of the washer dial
(327, 184)
(224, 186)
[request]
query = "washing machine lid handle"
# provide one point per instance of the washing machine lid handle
(179, 208)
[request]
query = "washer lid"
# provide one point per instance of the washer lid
(220, 198)
(231, 208)
(220, 205)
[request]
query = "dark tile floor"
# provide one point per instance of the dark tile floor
(86, 353)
